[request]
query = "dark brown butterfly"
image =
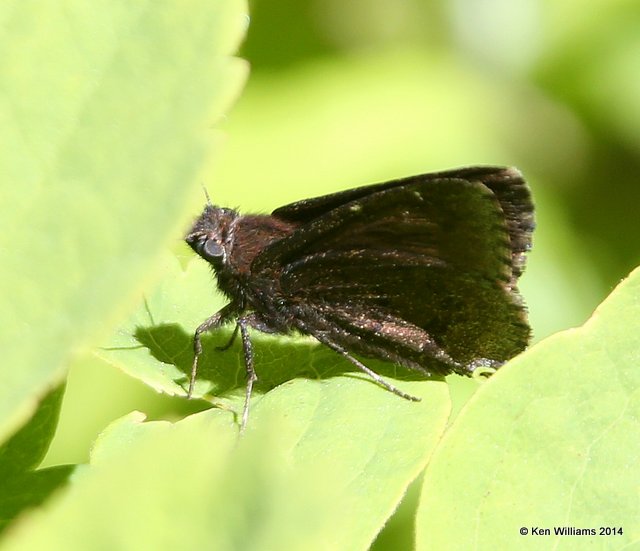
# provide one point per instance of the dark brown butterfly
(420, 271)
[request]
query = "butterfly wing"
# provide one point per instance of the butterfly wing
(420, 271)
(507, 185)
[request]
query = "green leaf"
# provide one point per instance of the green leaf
(30, 489)
(22, 487)
(365, 440)
(155, 344)
(26, 449)
(106, 111)
(321, 466)
(552, 440)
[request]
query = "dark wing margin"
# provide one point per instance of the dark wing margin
(514, 197)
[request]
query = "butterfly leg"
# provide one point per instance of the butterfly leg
(343, 352)
(231, 340)
(244, 323)
(213, 322)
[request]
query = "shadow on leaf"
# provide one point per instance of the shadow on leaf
(277, 359)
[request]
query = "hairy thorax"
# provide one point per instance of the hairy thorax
(247, 237)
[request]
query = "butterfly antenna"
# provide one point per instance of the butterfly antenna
(206, 194)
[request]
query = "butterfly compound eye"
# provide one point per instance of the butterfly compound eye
(212, 250)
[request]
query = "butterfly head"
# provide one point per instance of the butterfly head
(210, 235)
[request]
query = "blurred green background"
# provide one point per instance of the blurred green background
(343, 94)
